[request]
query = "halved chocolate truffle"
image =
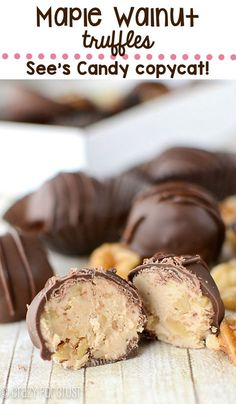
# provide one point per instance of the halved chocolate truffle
(74, 213)
(24, 269)
(175, 216)
(216, 171)
(181, 299)
(90, 317)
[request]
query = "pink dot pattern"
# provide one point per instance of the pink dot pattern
(137, 56)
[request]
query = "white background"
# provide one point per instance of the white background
(214, 33)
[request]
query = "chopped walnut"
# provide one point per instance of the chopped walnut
(225, 277)
(116, 256)
(226, 340)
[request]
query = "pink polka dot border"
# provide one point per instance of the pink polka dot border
(137, 56)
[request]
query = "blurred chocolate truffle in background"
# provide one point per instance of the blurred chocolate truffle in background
(24, 269)
(141, 93)
(146, 91)
(74, 213)
(181, 299)
(216, 171)
(27, 105)
(87, 318)
(82, 112)
(175, 216)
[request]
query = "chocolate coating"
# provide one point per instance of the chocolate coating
(24, 269)
(216, 171)
(175, 216)
(54, 287)
(184, 267)
(74, 213)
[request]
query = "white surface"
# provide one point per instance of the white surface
(32, 153)
(160, 374)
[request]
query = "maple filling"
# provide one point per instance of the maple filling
(90, 320)
(178, 313)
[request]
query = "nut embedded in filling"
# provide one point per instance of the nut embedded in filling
(178, 312)
(90, 321)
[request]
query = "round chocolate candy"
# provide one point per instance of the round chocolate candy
(175, 216)
(216, 171)
(144, 92)
(24, 269)
(90, 317)
(181, 299)
(75, 213)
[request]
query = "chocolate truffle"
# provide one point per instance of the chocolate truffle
(87, 318)
(146, 91)
(81, 112)
(75, 213)
(27, 105)
(24, 269)
(214, 171)
(175, 216)
(181, 299)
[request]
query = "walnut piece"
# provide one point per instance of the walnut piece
(225, 277)
(228, 213)
(226, 340)
(116, 256)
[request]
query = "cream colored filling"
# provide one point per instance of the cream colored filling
(90, 319)
(178, 313)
